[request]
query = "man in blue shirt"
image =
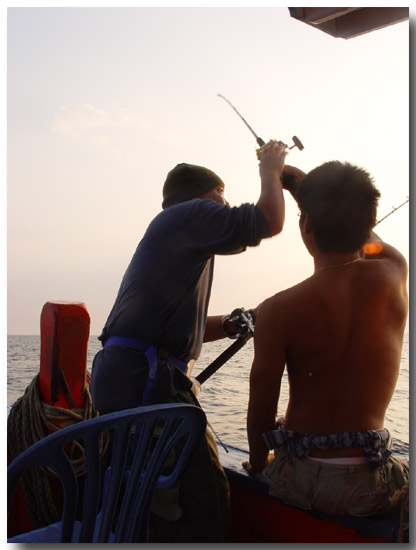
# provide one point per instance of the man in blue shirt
(159, 320)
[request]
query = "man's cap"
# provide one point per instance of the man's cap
(186, 182)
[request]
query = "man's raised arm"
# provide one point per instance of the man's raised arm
(271, 201)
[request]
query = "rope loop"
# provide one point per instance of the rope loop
(30, 420)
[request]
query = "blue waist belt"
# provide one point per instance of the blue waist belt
(151, 355)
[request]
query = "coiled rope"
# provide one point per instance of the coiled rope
(30, 420)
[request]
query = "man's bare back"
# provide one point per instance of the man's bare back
(344, 369)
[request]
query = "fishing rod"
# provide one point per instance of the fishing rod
(242, 340)
(262, 144)
(223, 358)
(393, 210)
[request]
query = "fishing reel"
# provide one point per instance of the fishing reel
(296, 143)
(239, 323)
(262, 145)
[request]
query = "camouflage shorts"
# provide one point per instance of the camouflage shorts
(356, 490)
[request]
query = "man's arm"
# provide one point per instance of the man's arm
(213, 329)
(271, 201)
(265, 380)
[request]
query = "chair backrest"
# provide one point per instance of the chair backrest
(123, 505)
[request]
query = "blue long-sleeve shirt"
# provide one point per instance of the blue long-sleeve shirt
(164, 295)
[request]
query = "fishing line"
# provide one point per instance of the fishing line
(217, 436)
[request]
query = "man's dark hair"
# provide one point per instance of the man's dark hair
(341, 202)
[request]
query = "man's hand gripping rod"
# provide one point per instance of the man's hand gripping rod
(262, 145)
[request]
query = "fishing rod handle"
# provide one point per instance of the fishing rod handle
(221, 359)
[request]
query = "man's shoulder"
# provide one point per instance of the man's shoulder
(180, 213)
(192, 208)
(286, 303)
(291, 293)
(388, 269)
(179, 208)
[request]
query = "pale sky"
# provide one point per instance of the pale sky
(103, 102)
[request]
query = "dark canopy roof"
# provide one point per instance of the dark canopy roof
(349, 22)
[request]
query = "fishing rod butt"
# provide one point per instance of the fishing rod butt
(222, 358)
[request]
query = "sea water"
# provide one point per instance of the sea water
(224, 396)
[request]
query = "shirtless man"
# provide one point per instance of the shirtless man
(339, 333)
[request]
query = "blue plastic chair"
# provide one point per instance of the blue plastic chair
(117, 510)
